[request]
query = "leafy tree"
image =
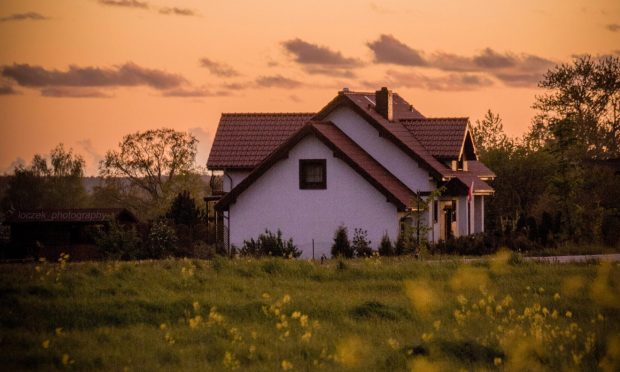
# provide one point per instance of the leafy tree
(588, 92)
(488, 134)
(270, 244)
(342, 245)
(154, 161)
(361, 244)
(184, 210)
(162, 240)
(119, 242)
(56, 183)
(385, 247)
(406, 242)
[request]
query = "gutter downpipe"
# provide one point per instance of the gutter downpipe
(228, 216)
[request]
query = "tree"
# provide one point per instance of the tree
(361, 244)
(43, 184)
(119, 242)
(488, 133)
(154, 161)
(588, 92)
(385, 247)
(342, 245)
(162, 240)
(184, 210)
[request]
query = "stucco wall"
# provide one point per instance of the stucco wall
(236, 176)
(383, 150)
(274, 201)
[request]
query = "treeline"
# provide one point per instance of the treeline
(559, 183)
(151, 173)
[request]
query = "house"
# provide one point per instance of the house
(365, 160)
(50, 232)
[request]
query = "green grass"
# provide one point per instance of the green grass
(373, 314)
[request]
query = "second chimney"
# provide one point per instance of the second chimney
(383, 103)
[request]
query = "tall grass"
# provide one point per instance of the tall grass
(272, 314)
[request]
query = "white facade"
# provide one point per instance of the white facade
(274, 201)
(382, 149)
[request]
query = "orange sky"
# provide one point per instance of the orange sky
(139, 64)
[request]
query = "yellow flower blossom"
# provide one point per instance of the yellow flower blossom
(296, 314)
(497, 362)
(393, 343)
(196, 306)
(306, 336)
(58, 331)
(45, 344)
(286, 365)
(556, 296)
(569, 314)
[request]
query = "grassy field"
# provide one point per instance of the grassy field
(372, 314)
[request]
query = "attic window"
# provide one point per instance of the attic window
(312, 174)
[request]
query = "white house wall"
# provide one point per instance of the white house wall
(236, 176)
(274, 201)
(382, 149)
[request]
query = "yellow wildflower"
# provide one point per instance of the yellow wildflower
(286, 299)
(58, 331)
(569, 314)
(196, 306)
(394, 344)
(556, 296)
(286, 365)
(306, 336)
(296, 314)
(303, 321)
(497, 361)
(45, 344)
(162, 326)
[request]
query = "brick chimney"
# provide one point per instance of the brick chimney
(383, 103)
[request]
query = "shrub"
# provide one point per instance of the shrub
(270, 244)
(475, 245)
(361, 244)
(162, 240)
(118, 242)
(405, 243)
(342, 246)
(385, 247)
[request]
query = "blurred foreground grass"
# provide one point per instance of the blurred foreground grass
(271, 314)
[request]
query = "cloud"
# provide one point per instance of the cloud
(449, 82)
(6, 90)
(312, 54)
(73, 92)
(335, 72)
(194, 92)
(613, 27)
(387, 49)
(125, 3)
(178, 11)
(510, 68)
(218, 69)
(276, 81)
(128, 74)
(28, 16)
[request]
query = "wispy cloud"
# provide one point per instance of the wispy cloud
(276, 81)
(28, 16)
(194, 92)
(6, 90)
(613, 27)
(125, 3)
(511, 68)
(218, 69)
(178, 11)
(126, 75)
(319, 59)
(388, 49)
(446, 82)
(73, 92)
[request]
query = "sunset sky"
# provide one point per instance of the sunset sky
(87, 72)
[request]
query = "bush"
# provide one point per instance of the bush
(385, 247)
(119, 242)
(342, 246)
(162, 240)
(270, 244)
(474, 245)
(405, 243)
(361, 244)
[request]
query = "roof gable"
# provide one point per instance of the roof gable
(442, 137)
(394, 131)
(345, 149)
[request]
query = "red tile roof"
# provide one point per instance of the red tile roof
(479, 169)
(442, 137)
(243, 140)
(344, 148)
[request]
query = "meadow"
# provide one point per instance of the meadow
(274, 314)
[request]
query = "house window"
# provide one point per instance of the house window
(312, 174)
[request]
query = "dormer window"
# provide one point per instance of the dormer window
(312, 174)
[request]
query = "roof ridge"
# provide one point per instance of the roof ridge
(268, 113)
